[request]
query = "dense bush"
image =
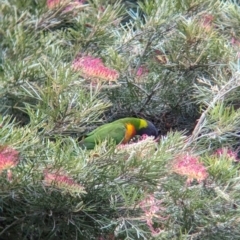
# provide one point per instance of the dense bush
(67, 67)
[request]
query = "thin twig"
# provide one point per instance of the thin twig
(199, 125)
(12, 224)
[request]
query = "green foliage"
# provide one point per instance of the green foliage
(178, 65)
(221, 168)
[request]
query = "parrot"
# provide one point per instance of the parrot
(120, 131)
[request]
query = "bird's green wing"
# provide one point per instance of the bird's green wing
(114, 131)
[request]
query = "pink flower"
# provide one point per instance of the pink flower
(144, 137)
(94, 68)
(207, 21)
(227, 153)
(8, 158)
(142, 71)
(235, 42)
(61, 181)
(55, 3)
(189, 166)
(152, 208)
(69, 4)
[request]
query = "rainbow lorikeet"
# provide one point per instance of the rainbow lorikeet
(120, 131)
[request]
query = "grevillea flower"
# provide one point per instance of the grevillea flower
(61, 181)
(51, 4)
(228, 153)
(152, 209)
(235, 42)
(207, 21)
(190, 166)
(142, 71)
(143, 148)
(94, 68)
(8, 158)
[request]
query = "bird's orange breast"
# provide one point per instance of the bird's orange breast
(130, 132)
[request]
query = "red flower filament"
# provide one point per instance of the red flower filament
(152, 209)
(61, 181)
(94, 68)
(187, 165)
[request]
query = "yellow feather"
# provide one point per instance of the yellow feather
(143, 124)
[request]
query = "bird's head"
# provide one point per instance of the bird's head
(147, 128)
